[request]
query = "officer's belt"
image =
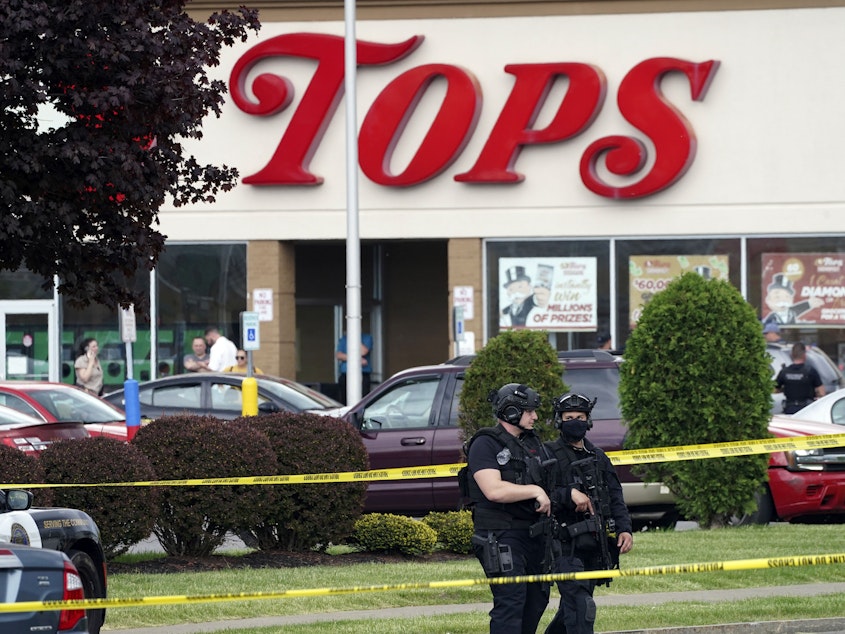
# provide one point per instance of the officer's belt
(492, 519)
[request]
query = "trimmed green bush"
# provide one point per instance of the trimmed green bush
(125, 516)
(383, 532)
(194, 520)
(454, 530)
(513, 356)
(696, 371)
(17, 467)
(308, 516)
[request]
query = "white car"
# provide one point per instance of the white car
(828, 409)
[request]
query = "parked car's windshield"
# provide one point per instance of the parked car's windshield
(593, 383)
(65, 405)
(297, 395)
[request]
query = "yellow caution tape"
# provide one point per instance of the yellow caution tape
(713, 566)
(724, 449)
(634, 456)
(399, 473)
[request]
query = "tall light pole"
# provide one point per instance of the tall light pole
(353, 242)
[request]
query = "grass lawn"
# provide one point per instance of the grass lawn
(650, 549)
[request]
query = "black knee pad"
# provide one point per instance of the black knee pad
(589, 610)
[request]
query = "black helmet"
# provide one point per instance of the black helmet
(573, 402)
(511, 400)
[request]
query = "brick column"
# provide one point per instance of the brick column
(464, 255)
(272, 264)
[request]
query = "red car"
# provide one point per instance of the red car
(66, 404)
(30, 434)
(804, 484)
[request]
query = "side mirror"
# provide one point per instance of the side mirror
(18, 499)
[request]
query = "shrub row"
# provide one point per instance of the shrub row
(383, 532)
(193, 520)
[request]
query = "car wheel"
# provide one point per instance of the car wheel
(92, 587)
(764, 513)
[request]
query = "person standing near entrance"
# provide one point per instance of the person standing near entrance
(198, 360)
(89, 372)
(366, 368)
(241, 365)
(799, 382)
(223, 351)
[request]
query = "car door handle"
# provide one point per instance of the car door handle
(419, 440)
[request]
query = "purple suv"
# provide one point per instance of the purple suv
(412, 420)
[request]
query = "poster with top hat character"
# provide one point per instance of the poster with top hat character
(553, 294)
(803, 288)
(650, 274)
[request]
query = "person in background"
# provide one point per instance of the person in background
(223, 351)
(604, 341)
(241, 365)
(89, 372)
(771, 331)
(198, 360)
(366, 368)
(799, 382)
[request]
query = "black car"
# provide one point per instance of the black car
(34, 574)
(219, 394)
(63, 530)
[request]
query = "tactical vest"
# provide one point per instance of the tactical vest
(798, 389)
(579, 475)
(520, 468)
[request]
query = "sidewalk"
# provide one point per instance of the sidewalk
(830, 626)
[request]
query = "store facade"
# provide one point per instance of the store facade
(541, 165)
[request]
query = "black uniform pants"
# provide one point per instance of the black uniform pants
(577, 611)
(518, 607)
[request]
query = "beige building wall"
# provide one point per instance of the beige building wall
(324, 10)
(271, 264)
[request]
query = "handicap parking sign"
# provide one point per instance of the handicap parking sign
(249, 330)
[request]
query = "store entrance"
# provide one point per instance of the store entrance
(30, 346)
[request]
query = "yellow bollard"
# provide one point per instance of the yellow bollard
(249, 390)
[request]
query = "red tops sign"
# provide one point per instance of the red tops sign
(640, 100)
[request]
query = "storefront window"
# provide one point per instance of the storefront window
(23, 284)
(800, 284)
(644, 267)
(103, 324)
(560, 286)
(196, 286)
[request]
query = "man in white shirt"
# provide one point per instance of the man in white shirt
(222, 352)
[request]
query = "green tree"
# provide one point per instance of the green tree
(128, 80)
(696, 371)
(514, 356)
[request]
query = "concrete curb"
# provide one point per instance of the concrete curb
(830, 625)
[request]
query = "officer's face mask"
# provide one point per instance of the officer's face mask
(574, 429)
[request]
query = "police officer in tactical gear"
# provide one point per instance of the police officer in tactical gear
(589, 507)
(800, 382)
(505, 485)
